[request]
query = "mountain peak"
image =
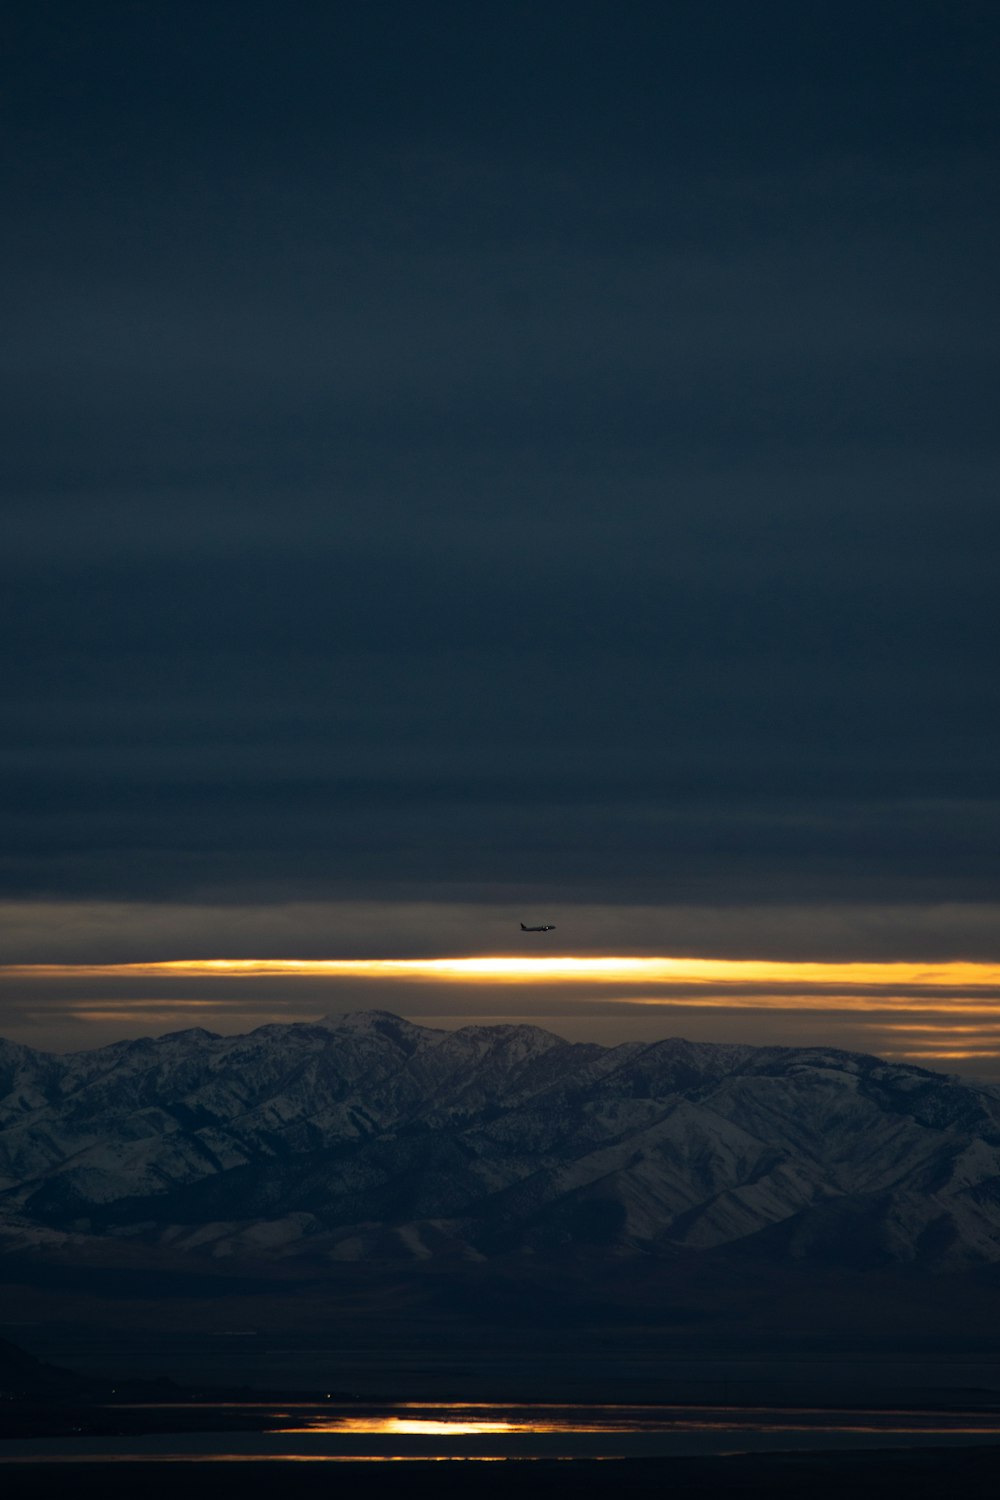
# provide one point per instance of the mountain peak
(369, 1020)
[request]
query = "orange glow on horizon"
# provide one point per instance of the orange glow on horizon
(929, 1013)
(549, 969)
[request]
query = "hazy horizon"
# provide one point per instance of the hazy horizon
(941, 1016)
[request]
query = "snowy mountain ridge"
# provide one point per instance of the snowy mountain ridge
(366, 1136)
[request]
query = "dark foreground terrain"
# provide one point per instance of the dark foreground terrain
(927, 1475)
(688, 1330)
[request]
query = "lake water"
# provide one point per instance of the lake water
(441, 1431)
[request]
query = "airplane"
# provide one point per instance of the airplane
(549, 927)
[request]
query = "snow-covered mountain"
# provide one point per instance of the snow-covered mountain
(367, 1137)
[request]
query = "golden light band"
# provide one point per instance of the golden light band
(507, 969)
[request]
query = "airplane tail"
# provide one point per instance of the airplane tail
(523, 928)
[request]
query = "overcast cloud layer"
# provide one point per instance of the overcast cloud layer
(521, 457)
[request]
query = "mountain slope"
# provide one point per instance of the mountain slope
(367, 1136)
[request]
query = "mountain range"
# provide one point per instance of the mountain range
(365, 1137)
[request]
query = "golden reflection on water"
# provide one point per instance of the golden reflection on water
(482, 1419)
(301, 1458)
(414, 1426)
(441, 1432)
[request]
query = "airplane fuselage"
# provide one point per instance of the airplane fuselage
(549, 927)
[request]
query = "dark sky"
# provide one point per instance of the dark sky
(521, 456)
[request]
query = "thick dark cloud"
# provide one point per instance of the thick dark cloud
(541, 450)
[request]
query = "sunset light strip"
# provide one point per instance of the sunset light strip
(548, 969)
